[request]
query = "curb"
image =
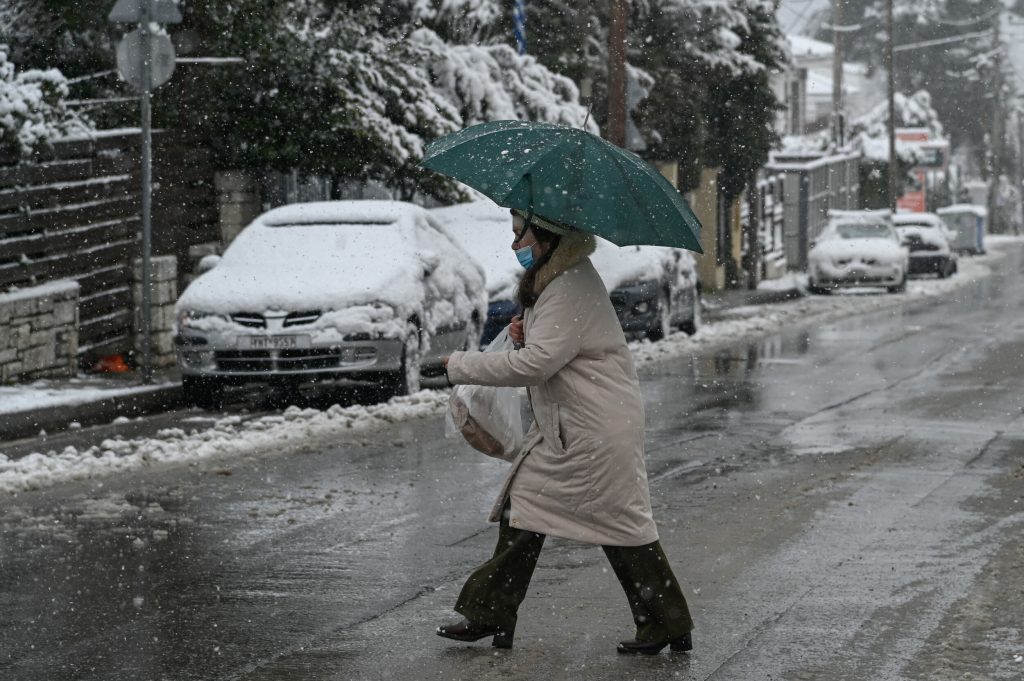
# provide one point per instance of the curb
(722, 306)
(23, 424)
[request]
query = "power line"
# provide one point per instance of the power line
(967, 22)
(942, 41)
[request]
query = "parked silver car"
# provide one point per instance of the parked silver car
(858, 248)
(362, 290)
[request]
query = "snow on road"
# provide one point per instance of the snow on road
(238, 436)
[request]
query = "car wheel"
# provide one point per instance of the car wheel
(901, 287)
(690, 326)
(662, 325)
(474, 332)
(202, 391)
(406, 380)
(817, 290)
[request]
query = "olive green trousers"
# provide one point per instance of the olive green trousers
(493, 593)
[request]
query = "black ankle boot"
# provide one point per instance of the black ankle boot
(681, 644)
(468, 631)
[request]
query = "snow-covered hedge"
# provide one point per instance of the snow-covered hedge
(32, 108)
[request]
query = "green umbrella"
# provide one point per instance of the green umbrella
(569, 176)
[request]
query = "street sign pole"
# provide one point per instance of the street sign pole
(146, 57)
(135, 62)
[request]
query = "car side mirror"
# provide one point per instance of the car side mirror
(208, 263)
(430, 260)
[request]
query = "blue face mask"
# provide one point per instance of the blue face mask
(525, 256)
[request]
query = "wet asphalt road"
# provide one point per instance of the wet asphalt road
(843, 501)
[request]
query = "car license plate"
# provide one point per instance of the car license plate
(273, 342)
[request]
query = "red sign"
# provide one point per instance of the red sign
(914, 199)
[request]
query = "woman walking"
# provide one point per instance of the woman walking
(580, 474)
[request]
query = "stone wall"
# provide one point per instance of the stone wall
(39, 332)
(163, 295)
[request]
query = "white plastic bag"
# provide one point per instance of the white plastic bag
(486, 416)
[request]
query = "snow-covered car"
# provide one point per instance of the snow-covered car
(858, 248)
(361, 290)
(928, 238)
(484, 229)
(653, 288)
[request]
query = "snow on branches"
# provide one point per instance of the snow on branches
(492, 82)
(32, 108)
(870, 132)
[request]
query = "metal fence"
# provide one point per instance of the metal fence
(810, 188)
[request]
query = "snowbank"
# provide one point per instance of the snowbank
(229, 436)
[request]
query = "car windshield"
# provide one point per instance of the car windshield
(863, 230)
(330, 245)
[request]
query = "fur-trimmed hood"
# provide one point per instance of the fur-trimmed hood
(572, 248)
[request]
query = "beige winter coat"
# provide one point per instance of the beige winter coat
(580, 474)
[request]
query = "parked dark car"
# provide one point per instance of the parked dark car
(927, 238)
(654, 289)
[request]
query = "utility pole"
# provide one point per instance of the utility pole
(891, 68)
(1020, 160)
(837, 73)
(997, 140)
(617, 72)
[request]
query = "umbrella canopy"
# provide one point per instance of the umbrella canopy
(569, 176)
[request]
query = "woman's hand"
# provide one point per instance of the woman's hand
(515, 331)
(444, 361)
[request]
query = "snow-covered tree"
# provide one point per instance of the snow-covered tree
(957, 74)
(353, 89)
(711, 103)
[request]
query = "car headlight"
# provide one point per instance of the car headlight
(190, 318)
(642, 307)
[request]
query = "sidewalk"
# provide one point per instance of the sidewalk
(718, 303)
(55, 405)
